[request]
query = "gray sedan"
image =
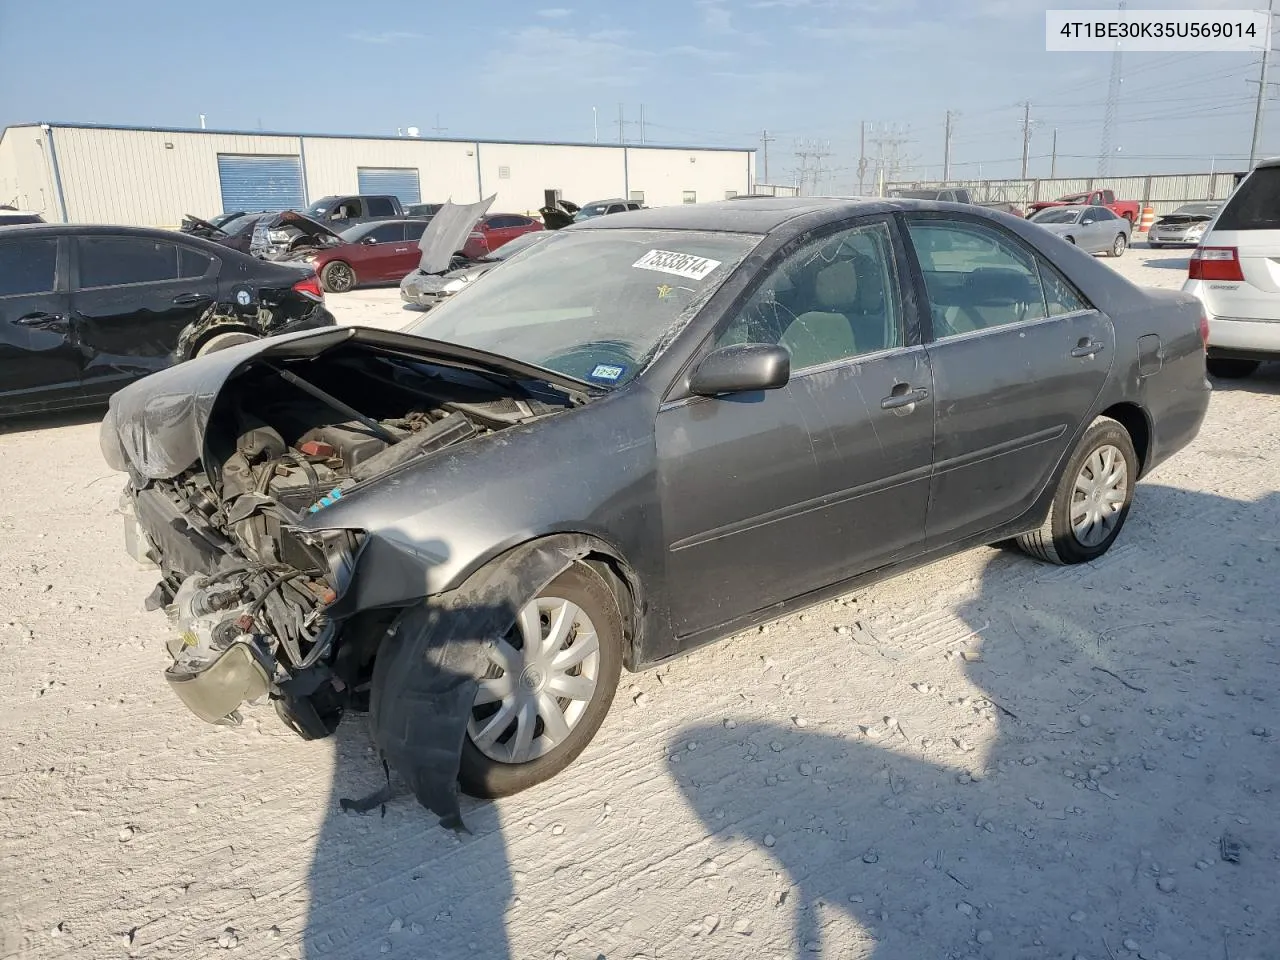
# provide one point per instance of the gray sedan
(1184, 227)
(1092, 229)
(644, 433)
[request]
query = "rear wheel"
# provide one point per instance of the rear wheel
(1092, 500)
(550, 683)
(220, 341)
(1119, 245)
(1228, 369)
(337, 277)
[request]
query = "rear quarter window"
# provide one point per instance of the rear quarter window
(1256, 203)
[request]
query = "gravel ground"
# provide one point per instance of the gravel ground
(985, 758)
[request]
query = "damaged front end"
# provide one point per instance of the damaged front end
(279, 587)
(289, 235)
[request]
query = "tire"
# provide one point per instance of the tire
(1118, 246)
(480, 773)
(1154, 246)
(1229, 369)
(220, 341)
(1056, 542)
(338, 277)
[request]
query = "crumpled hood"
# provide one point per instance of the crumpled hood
(448, 231)
(155, 427)
(313, 229)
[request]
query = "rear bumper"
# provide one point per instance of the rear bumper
(1247, 338)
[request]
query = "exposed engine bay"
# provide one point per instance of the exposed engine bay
(248, 589)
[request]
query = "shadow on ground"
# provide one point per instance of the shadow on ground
(1121, 759)
(46, 421)
(1167, 263)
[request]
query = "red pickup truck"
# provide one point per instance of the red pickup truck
(1129, 209)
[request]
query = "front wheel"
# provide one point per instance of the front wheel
(337, 277)
(1119, 245)
(1230, 369)
(1092, 500)
(550, 683)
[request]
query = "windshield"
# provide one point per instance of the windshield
(320, 207)
(1056, 215)
(1075, 198)
(591, 210)
(592, 304)
(357, 233)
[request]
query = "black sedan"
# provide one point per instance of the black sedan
(85, 310)
(643, 434)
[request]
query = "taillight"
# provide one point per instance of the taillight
(310, 288)
(1215, 263)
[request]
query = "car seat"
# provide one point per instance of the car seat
(825, 333)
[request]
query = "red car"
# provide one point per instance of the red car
(383, 251)
(494, 230)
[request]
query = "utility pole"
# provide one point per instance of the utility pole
(946, 151)
(862, 158)
(1262, 89)
(1053, 158)
(642, 123)
(1026, 136)
(812, 150)
(765, 140)
(595, 123)
(621, 125)
(437, 128)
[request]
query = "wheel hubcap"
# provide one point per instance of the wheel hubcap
(341, 278)
(1101, 489)
(542, 676)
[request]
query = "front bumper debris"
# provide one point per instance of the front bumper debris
(215, 691)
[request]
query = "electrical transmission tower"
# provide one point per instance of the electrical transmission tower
(889, 159)
(816, 151)
(1109, 118)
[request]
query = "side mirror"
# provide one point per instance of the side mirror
(1086, 221)
(369, 240)
(741, 368)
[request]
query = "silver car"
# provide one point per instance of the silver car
(1092, 229)
(1185, 226)
(425, 290)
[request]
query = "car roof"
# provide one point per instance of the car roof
(111, 230)
(755, 215)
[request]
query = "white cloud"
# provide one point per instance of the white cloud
(384, 36)
(700, 53)
(717, 19)
(555, 13)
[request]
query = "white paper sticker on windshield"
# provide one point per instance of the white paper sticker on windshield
(677, 264)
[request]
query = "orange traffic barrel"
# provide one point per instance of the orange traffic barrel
(1148, 218)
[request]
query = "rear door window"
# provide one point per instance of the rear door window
(117, 261)
(193, 263)
(977, 277)
(413, 231)
(381, 207)
(1256, 203)
(28, 266)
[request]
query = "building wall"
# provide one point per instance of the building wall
(132, 177)
(446, 170)
(26, 181)
(154, 177)
(665, 175)
(580, 173)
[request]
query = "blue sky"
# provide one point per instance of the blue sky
(714, 72)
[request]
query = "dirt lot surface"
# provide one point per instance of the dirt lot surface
(986, 758)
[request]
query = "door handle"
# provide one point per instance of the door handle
(188, 299)
(1087, 347)
(42, 320)
(903, 398)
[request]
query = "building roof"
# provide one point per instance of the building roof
(365, 136)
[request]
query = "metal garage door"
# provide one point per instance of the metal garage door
(399, 182)
(256, 182)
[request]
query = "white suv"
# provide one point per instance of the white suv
(1235, 273)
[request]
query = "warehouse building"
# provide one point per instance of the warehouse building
(84, 173)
